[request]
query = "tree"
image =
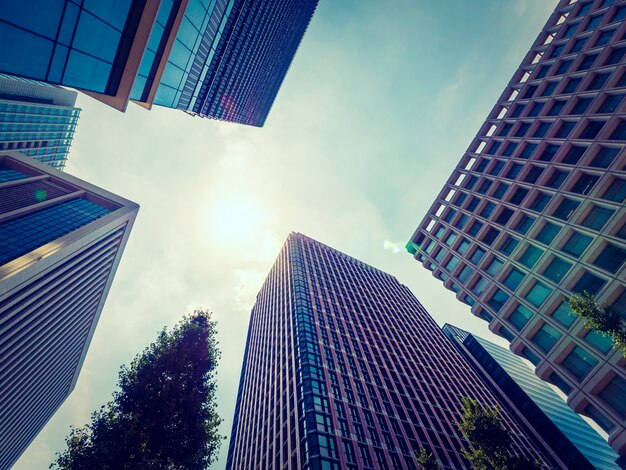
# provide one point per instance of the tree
(606, 321)
(426, 460)
(164, 414)
(490, 440)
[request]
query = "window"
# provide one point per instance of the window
(531, 356)
(584, 184)
(565, 209)
(549, 89)
(497, 167)
(619, 305)
(589, 283)
(604, 38)
(579, 362)
(614, 394)
(598, 81)
(514, 170)
(615, 56)
(604, 157)
(523, 224)
(556, 179)
(556, 108)
(572, 157)
(460, 199)
(462, 221)
(597, 218)
(490, 236)
(538, 294)
(522, 129)
(587, 61)
(520, 317)
(610, 103)
(505, 129)
(560, 383)
(581, 106)
(508, 245)
(482, 165)
(533, 174)
(528, 150)
(505, 333)
(565, 129)
(484, 186)
(557, 269)
(592, 129)
(576, 244)
(616, 191)
(504, 216)
(509, 149)
(513, 279)
(549, 152)
(542, 129)
(535, 109)
(578, 45)
(594, 22)
(599, 417)
(571, 85)
(480, 286)
(494, 266)
(477, 255)
(611, 258)
(463, 246)
(563, 67)
(530, 256)
(501, 190)
(563, 314)
(498, 299)
(450, 238)
(518, 196)
(546, 337)
(540, 202)
(475, 228)
(465, 274)
(599, 341)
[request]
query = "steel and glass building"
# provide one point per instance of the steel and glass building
(546, 413)
(61, 240)
(222, 59)
(344, 368)
(37, 118)
(535, 209)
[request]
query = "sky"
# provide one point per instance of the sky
(379, 104)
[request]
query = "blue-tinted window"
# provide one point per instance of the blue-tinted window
(504, 216)
(508, 245)
(615, 392)
(615, 56)
(536, 108)
(610, 258)
(589, 283)
(465, 274)
(557, 269)
(599, 417)
(563, 314)
(546, 337)
(514, 170)
(540, 202)
(531, 356)
(487, 210)
(573, 155)
(505, 333)
(571, 85)
(450, 238)
(490, 236)
(10, 175)
(587, 61)
(549, 89)
(523, 224)
(616, 191)
(451, 264)
(542, 129)
(610, 103)
(598, 81)
(498, 299)
(494, 266)
(530, 256)
(597, 217)
(501, 190)
(565, 129)
(462, 221)
(518, 196)
(477, 255)
(604, 157)
(549, 152)
(513, 279)
(565, 209)
(576, 244)
(560, 383)
(28, 232)
(584, 184)
(83, 71)
(598, 340)
(520, 317)
(533, 174)
(547, 233)
(463, 246)
(581, 106)
(528, 150)
(579, 362)
(96, 38)
(538, 294)
(480, 286)
(475, 228)
(23, 53)
(592, 129)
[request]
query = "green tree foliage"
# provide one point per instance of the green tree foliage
(426, 460)
(490, 440)
(164, 414)
(602, 319)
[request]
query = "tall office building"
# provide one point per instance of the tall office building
(61, 240)
(535, 209)
(535, 402)
(223, 59)
(37, 118)
(344, 368)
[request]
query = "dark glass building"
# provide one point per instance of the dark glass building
(535, 210)
(223, 59)
(344, 368)
(576, 443)
(61, 240)
(37, 118)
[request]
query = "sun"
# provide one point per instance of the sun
(235, 220)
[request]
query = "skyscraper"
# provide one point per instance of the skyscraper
(61, 241)
(223, 59)
(344, 368)
(535, 209)
(516, 385)
(37, 118)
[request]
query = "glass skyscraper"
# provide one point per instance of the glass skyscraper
(344, 368)
(61, 241)
(535, 210)
(567, 434)
(223, 59)
(38, 119)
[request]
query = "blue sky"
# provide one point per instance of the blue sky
(381, 101)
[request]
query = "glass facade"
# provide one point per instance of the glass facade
(37, 119)
(78, 43)
(344, 369)
(568, 436)
(557, 139)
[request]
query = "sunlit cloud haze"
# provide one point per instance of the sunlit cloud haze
(379, 104)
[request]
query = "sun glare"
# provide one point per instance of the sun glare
(235, 220)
